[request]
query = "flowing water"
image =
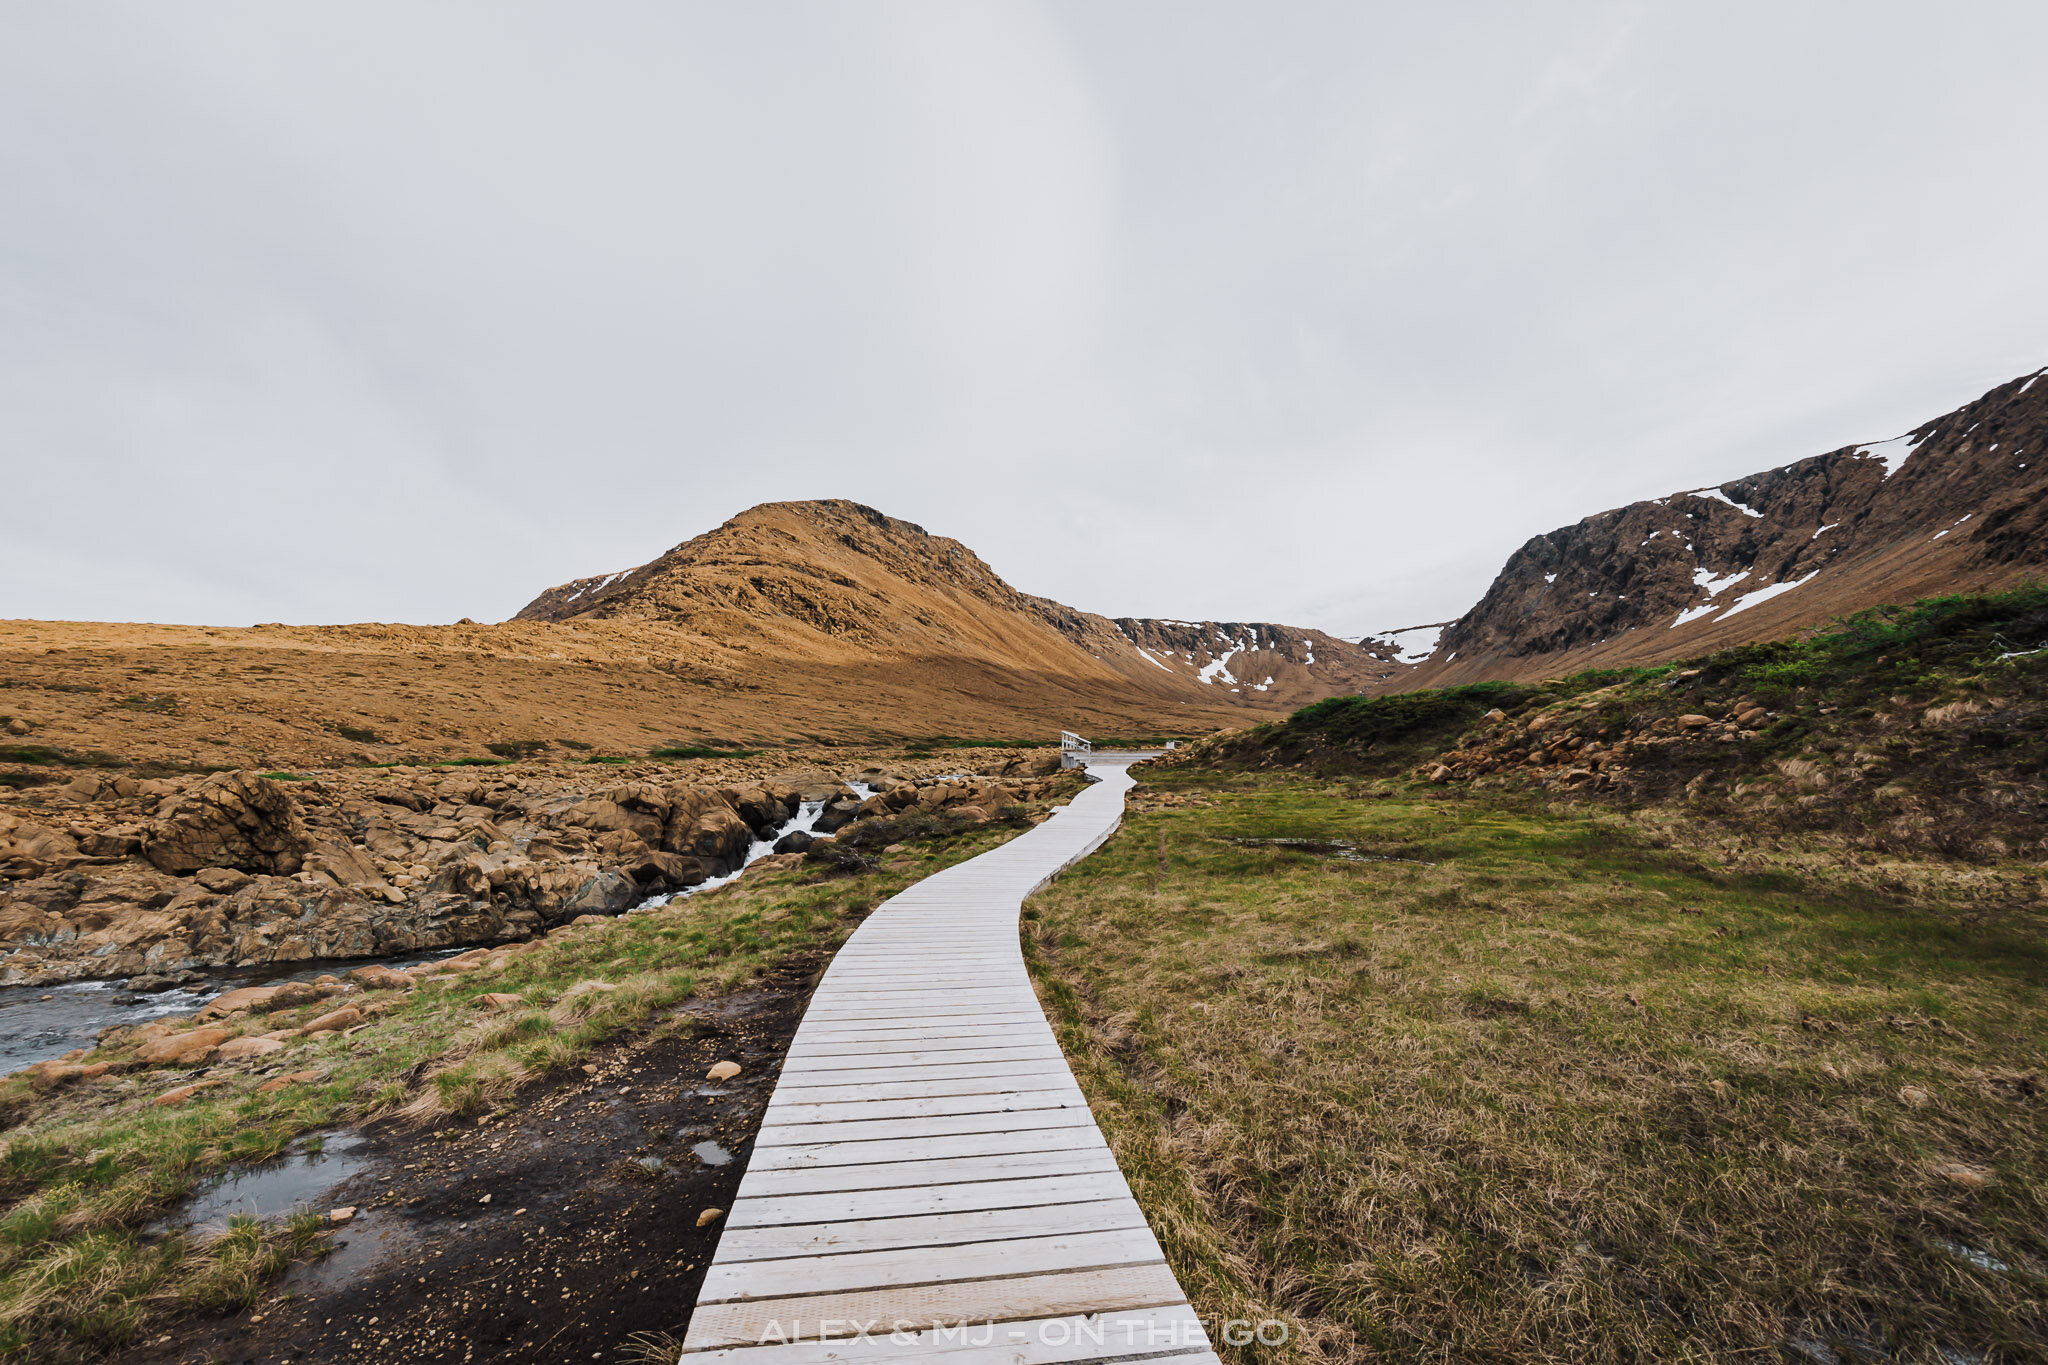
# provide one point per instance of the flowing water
(41, 1022)
(805, 820)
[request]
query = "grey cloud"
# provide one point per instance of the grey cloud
(1307, 312)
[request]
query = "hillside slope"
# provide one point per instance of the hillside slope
(1958, 504)
(1921, 727)
(835, 579)
(823, 622)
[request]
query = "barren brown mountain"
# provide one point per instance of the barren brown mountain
(793, 622)
(1958, 504)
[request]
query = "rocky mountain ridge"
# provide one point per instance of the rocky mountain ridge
(1959, 503)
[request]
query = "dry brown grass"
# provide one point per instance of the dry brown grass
(1564, 1096)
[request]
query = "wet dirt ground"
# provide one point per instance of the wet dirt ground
(561, 1230)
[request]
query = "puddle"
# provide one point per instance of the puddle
(272, 1189)
(1328, 848)
(711, 1154)
(654, 1165)
(712, 1092)
(41, 1022)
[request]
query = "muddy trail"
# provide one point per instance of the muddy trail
(563, 1229)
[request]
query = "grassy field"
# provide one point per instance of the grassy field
(1503, 1081)
(86, 1168)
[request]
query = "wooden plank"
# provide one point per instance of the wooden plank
(1005, 1102)
(974, 1301)
(847, 1271)
(926, 1230)
(930, 1125)
(761, 1183)
(832, 1056)
(847, 1205)
(815, 1154)
(1017, 1070)
(1152, 1334)
(987, 1078)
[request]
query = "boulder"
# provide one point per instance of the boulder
(665, 870)
(182, 1049)
(1694, 722)
(237, 1001)
(57, 1072)
(348, 1016)
(292, 994)
(796, 841)
(222, 880)
(758, 806)
(238, 820)
(239, 1049)
(602, 813)
(703, 826)
(31, 850)
(838, 813)
(345, 865)
(271, 1087)
(378, 977)
(170, 1099)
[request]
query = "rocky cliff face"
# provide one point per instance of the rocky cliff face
(119, 876)
(1957, 504)
(839, 577)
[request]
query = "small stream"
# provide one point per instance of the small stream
(804, 821)
(41, 1022)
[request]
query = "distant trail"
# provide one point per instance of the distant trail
(927, 1162)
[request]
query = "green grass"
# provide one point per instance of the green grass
(1938, 647)
(86, 1166)
(50, 755)
(1527, 1083)
(692, 751)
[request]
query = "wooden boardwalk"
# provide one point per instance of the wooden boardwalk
(928, 1183)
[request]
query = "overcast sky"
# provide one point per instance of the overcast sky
(1299, 312)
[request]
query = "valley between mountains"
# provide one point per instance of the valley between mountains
(1647, 965)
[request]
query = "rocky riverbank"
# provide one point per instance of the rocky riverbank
(123, 877)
